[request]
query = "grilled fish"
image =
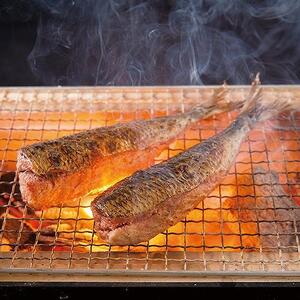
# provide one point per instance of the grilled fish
(59, 171)
(148, 202)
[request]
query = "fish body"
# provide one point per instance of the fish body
(148, 202)
(58, 172)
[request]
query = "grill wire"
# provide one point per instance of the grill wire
(208, 240)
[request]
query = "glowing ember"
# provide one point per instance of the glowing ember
(89, 198)
(88, 212)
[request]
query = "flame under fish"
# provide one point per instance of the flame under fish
(147, 203)
(60, 171)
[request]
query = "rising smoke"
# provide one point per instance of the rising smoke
(179, 42)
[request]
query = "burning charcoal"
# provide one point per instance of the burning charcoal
(5, 245)
(15, 208)
(3, 202)
(5, 197)
(51, 240)
(298, 177)
(48, 232)
(6, 183)
(274, 211)
(13, 215)
(11, 232)
(62, 243)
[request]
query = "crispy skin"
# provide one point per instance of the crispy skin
(43, 192)
(59, 171)
(145, 204)
(150, 201)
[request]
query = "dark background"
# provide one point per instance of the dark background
(17, 37)
(154, 291)
(278, 62)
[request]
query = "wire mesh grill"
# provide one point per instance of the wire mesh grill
(250, 223)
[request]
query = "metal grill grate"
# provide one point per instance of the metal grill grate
(246, 225)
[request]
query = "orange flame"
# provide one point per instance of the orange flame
(211, 226)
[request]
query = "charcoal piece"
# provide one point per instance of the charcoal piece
(7, 181)
(276, 214)
(15, 234)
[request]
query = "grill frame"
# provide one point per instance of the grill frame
(153, 98)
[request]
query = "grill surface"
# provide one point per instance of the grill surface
(216, 238)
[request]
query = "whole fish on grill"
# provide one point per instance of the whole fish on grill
(60, 171)
(148, 202)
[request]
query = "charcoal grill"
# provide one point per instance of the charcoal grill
(209, 243)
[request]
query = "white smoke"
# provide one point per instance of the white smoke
(179, 42)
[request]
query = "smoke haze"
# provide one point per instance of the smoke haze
(179, 42)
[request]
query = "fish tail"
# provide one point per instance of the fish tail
(256, 110)
(215, 104)
(221, 102)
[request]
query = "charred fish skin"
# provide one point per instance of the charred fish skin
(150, 201)
(74, 152)
(60, 171)
(154, 199)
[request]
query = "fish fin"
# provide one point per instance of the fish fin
(218, 99)
(220, 102)
(217, 103)
(256, 110)
(253, 97)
